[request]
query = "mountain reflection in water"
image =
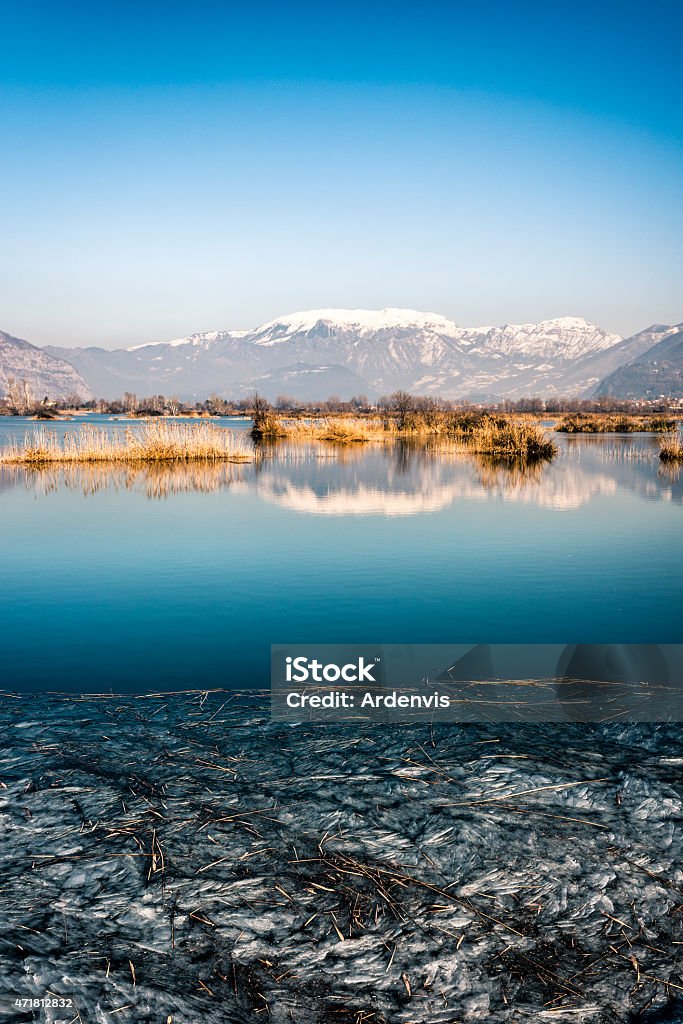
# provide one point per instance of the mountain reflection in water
(398, 480)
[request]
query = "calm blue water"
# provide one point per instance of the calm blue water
(150, 579)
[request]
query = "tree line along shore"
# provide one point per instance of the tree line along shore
(506, 431)
(18, 401)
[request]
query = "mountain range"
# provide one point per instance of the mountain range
(314, 354)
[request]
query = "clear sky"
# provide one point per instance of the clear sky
(173, 167)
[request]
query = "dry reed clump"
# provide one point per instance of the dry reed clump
(154, 442)
(415, 424)
(269, 426)
(494, 435)
(513, 442)
(671, 448)
(462, 424)
(604, 423)
(341, 429)
(511, 439)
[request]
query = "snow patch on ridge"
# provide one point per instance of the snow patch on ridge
(355, 319)
(203, 339)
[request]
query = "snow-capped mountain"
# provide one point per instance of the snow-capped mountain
(315, 353)
(565, 337)
(36, 373)
(568, 337)
(358, 321)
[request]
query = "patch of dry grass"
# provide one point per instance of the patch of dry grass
(501, 439)
(671, 448)
(497, 436)
(512, 439)
(269, 426)
(339, 429)
(614, 423)
(154, 441)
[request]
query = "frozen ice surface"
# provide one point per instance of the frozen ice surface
(180, 857)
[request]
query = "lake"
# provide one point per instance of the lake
(132, 579)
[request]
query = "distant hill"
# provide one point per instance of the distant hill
(585, 376)
(43, 373)
(316, 353)
(655, 373)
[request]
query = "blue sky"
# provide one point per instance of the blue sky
(167, 168)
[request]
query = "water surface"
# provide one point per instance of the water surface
(149, 578)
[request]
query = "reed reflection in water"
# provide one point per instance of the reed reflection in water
(156, 480)
(399, 480)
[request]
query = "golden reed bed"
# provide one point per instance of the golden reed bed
(615, 423)
(150, 442)
(497, 436)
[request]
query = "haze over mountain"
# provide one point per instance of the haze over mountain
(313, 354)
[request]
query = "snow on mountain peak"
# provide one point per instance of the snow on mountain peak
(565, 337)
(565, 323)
(356, 320)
